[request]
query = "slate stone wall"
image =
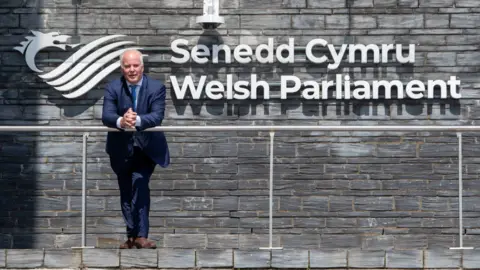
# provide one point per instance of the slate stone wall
(333, 190)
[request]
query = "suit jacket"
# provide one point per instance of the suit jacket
(150, 108)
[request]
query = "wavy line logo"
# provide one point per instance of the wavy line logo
(84, 69)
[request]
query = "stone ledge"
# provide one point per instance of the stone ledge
(241, 259)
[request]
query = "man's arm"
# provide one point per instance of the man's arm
(110, 118)
(155, 117)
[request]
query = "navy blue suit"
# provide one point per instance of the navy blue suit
(134, 155)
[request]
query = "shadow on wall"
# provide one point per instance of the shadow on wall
(295, 105)
(34, 167)
(19, 217)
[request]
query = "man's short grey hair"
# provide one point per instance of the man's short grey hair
(121, 56)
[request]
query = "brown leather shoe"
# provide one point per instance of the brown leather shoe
(130, 243)
(143, 242)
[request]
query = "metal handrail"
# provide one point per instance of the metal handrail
(380, 128)
(271, 130)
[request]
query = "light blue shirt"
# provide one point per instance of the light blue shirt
(138, 121)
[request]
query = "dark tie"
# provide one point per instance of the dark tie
(133, 89)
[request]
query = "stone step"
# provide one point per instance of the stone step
(234, 258)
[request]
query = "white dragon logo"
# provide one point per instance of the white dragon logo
(79, 73)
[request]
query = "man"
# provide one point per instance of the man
(135, 101)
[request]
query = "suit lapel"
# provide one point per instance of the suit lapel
(126, 95)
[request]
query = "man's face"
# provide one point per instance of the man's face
(132, 68)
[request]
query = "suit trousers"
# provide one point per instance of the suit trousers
(133, 175)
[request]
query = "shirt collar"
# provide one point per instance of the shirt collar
(139, 83)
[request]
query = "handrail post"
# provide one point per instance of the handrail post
(460, 194)
(270, 210)
(84, 191)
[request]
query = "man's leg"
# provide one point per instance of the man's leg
(142, 170)
(122, 168)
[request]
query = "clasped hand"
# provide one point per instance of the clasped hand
(129, 119)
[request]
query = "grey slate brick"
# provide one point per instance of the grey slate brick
(176, 258)
(407, 204)
(308, 22)
(435, 203)
(464, 21)
(68, 240)
(216, 184)
(290, 258)
(340, 241)
(352, 150)
(256, 203)
(437, 20)
(253, 150)
(328, 259)
(404, 259)
(309, 222)
(191, 150)
(341, 204)
(385, 3)
(363, 22)
(25, 258)
(168, 22)
(300, 241)
(436, 3)
(210, 258)
(252, 259)
(312, 150)
(136, 258)
(290, 203)
(360, 3)
(222, 241)
(62, 258)
(223, 150)
(190, 222)
(373, 203)
(197, 203)
(9, 20)
(401, 21)
(365, 185)
(378, 242)
(225, 203)
(97, 258)
(337, 22)
(155, 4)
(441, 258)
(164, 203)
(363, 258)
(467, 3)
(265, 21)
(326, 3)
(341, 169)
(11, 4)
(295, 3)
(471, 259)
(468, 58)
(263, 223)
(314, 203)
(333, 222)
(248, 4)
(377, 222)
(185, 240)
(255, 241)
